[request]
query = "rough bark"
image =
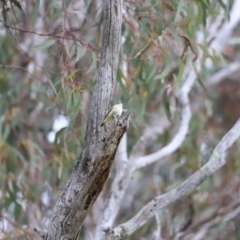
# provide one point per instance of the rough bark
(93, 166)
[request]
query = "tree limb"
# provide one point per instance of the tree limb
(136, 160)
(100, 145)
(216, 161)
(182, 131)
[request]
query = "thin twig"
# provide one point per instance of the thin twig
(53, 34)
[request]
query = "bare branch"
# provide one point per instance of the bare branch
(53, 34)
(182, 131)
(223, 35)
(222, 74)
(121, 158)
(157, 233)
(112, 204)
(155, 128)
(216, 161)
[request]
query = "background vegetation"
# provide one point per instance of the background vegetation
(49, 52)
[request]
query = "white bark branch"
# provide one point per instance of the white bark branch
(155, 128)
(121, 158)
(113, 202)
(157, 235)
(216, 161)
(223, 36)
(219, 76)
(137, 161)
(184, 124)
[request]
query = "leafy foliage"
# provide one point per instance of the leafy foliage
(49, 54)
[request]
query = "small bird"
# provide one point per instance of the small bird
(117, 108)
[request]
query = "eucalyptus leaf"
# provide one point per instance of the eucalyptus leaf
(93, 64)
(58, 135)
(44, 45)
(35, 11)
(70, 76)
(165, 72)
(79, 52)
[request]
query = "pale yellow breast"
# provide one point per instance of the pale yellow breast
(118, 109)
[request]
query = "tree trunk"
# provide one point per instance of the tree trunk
(93, 166)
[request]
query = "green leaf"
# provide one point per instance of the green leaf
(60, 171)
(75, 108)
(204, 3)
(194, 48)
(204, 7)
(17, 4)
(170, 6)
(1, 126)
(51, 85)
(151, 74)
(90, 85)
(69, 99)
(120, 79)
(180, 70)
(98, 15)
(17, 210)
(70, 50)
(57, 15)
(215, 57)
(141, 109)
(39, 149)
(5, 133)
(67, 3)
(199, 80)
(45, 44)
(35, 11)
(58, 135)
(4, 11)
(10, 185)
(223, 5)
(175, 35)
(15, 153)
(4, 85)
(79, 52)
(179, 9)
(153, 3)
(71, 75)
(167, 105)
(204, 49)
(94, 61)
(77, 98)
(165, 72)
(86, 3)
